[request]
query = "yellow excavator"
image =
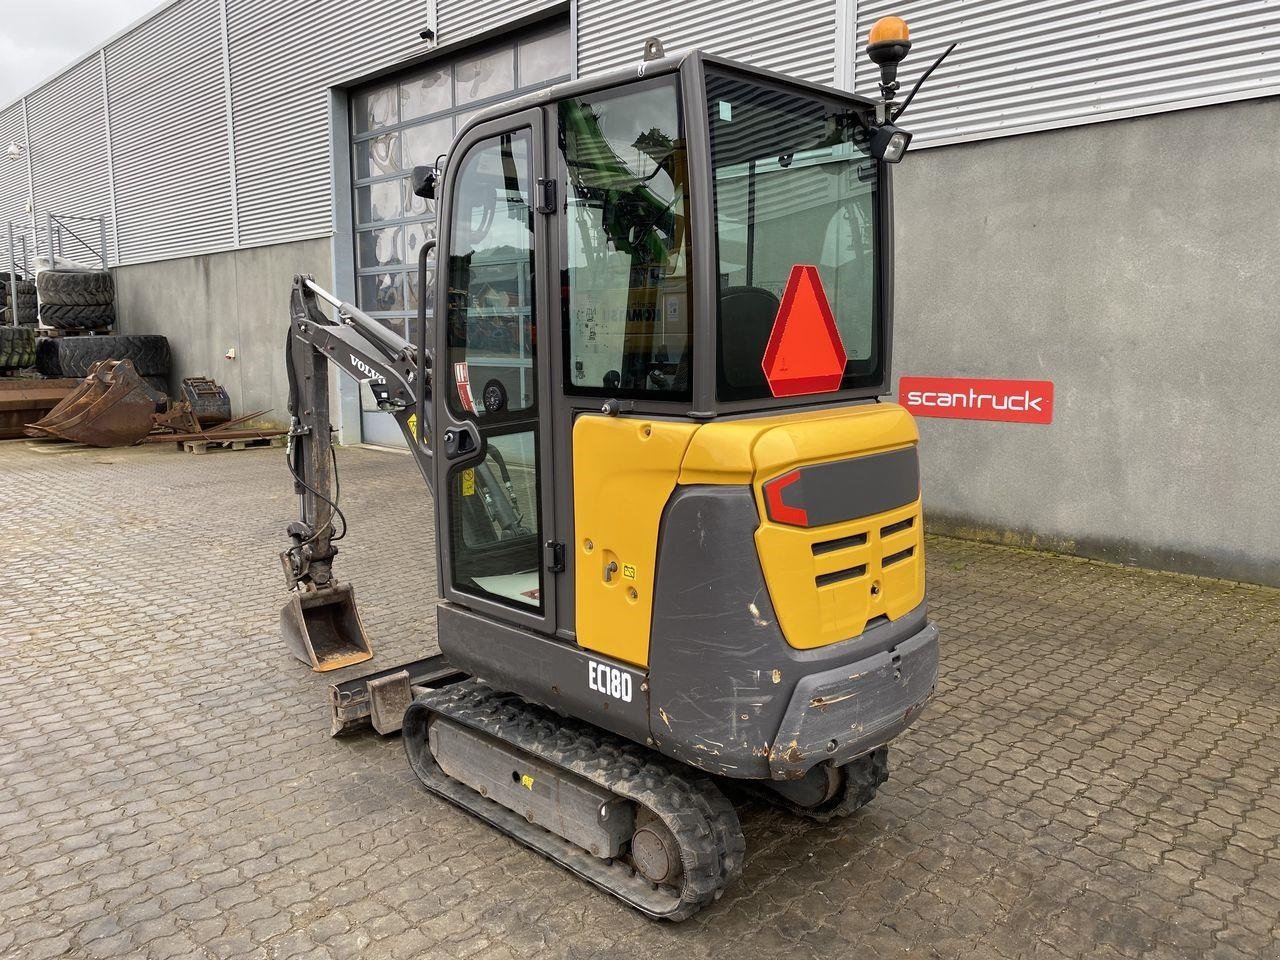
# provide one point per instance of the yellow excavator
(679, 533)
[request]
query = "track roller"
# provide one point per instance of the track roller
(659, 836)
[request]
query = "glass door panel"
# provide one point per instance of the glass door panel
(490, 376)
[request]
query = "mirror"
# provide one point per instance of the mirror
(424, 181)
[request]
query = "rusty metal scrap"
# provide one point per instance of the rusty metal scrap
(180, 423)
(112, 407)
(25, 400)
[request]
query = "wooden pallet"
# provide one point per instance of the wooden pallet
(74, 332)
(238, 443)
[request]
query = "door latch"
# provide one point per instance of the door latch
(553, 556)
(546, 195)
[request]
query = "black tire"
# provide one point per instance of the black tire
(24, 303)
(17, 348)
(158, 384)
(73, 356)
(70, 316)
(76, 288)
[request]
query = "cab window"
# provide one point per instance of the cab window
(793, 184)
(625, 243)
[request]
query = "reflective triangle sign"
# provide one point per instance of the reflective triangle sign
(805, 353)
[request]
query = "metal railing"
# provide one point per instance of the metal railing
(59, 230)
(66, 237)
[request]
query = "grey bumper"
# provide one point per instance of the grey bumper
(842, 713)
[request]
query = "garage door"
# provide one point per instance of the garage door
(410, 119)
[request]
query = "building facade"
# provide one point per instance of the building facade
(1086, 201)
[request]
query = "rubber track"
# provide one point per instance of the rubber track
(702, 820)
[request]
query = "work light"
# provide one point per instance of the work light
(888, 143)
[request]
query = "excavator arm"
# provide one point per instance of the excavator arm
(320, 622)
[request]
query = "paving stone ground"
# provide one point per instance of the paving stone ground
(1099, 776)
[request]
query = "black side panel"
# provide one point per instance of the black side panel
(722, 674)
(553, 673)
(849, 489)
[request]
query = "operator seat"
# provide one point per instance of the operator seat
(747, 315)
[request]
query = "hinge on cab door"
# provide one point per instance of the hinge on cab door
(546, 195)
(553, 556)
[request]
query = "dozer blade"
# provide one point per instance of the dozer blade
(322, 627)
(113, 407)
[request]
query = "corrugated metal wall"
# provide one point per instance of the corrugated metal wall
(169, 134)
(67, 119)
(460, 19)
(1023, 66)
(280, 100)
(798, 38)
(13, 179)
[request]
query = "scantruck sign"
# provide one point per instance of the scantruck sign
(965, 398)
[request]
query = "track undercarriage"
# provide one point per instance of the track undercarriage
(658, 835)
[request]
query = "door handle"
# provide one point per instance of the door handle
(462, 440)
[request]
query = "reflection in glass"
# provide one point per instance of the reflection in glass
(544, 59)
(793, 184)
(415, 235)
(416, 206)
(431, 290)
(493, 514)
(378, 156)
(375, 108)
(380, 248)
(425, 93)
(627, 273)
(491, 293)
(484, 76)
(382, 292)
(397, 325)
(379, 201)
(426, 142)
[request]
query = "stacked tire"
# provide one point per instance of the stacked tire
(73, 356)
(17, 348)
(76, 299)
(21, 298)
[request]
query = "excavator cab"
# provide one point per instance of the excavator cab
(679, 534)
(620, 253)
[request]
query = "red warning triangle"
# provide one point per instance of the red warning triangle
(804, 354)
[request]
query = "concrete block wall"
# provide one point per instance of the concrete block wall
(207, 304)
(1135, 263)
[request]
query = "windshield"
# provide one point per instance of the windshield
(794, 184)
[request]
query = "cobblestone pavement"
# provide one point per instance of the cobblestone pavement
(1098, 777)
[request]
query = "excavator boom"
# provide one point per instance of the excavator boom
(320, 623)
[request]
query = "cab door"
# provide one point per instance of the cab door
(493, 480)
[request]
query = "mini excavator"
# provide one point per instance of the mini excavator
(679, 534)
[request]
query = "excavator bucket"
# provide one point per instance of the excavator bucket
(322, 627)
(112, 407)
